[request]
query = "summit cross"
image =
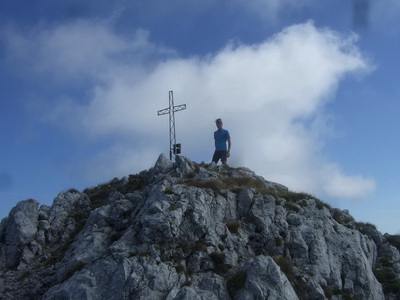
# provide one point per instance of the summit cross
(174, 148)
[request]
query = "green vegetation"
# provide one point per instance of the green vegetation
(172, 206)
(99, 195)
(233, 226)
(287, 267)
(292, 206)
(79, 217)
(236, 283)
(180, 269)
(386, 275)
(362, 225)
(169, 191)
(199, 245)
(220, 267)
(293, 196)
(329, 293)
(187, 283)
(217, 258)
(303, 203)
(278, 242)
(320, 205)
(236, 184)
(340, 217)
(293, 201)
(394, 240)
(215, 185)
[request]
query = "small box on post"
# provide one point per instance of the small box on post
(177, 149)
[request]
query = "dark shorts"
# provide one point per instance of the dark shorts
(219, 155)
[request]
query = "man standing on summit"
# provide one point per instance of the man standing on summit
(221, 136)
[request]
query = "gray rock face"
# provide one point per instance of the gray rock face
(190, 231)
(21, 230)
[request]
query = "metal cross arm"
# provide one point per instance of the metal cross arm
(179, 107)
(163, 111)
(167, 110)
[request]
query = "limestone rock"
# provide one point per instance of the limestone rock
(192, 231)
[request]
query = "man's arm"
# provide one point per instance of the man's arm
(229, 148)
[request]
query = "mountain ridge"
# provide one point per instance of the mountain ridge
(192, 231)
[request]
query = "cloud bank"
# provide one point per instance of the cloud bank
(271, 95)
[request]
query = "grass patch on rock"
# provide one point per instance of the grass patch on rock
(233, 226)
(236, 283)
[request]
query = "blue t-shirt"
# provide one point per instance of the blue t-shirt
(220, 137)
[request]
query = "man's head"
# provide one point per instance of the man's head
(218, 122)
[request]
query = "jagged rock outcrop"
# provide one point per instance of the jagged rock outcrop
(191, 231)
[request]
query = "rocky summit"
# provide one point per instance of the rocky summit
(193, 231)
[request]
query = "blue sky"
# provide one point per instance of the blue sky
(308, 90)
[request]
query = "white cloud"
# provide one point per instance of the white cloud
(78, 50)
(339, 184)
(117, 161)
(271, 96)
